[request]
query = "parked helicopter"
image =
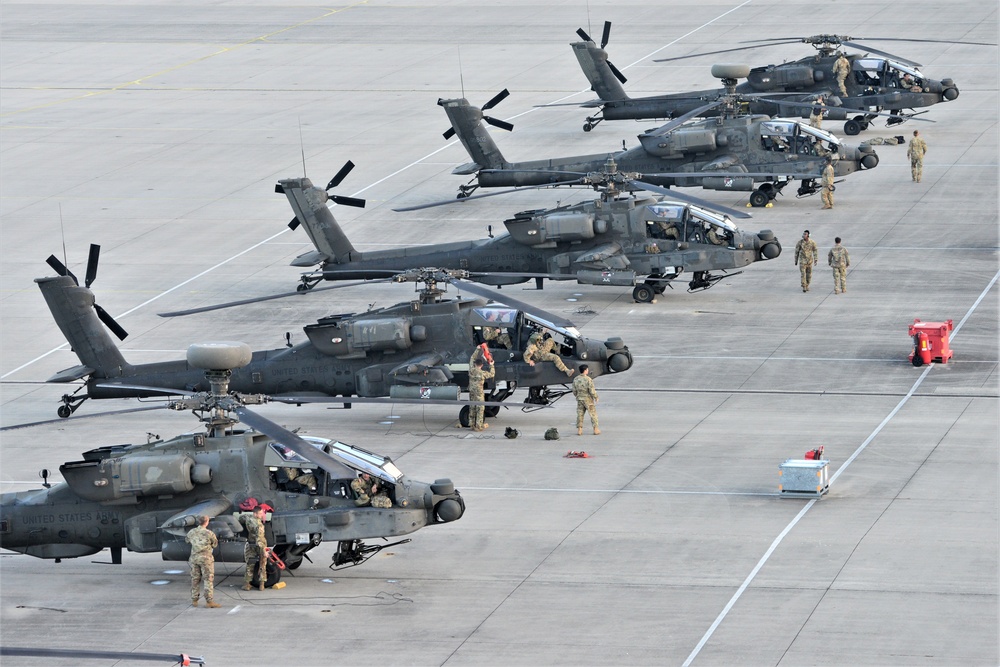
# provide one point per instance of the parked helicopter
(878, 81)
(731, 152)
(416, 351)
(608, 241)
(145, 497)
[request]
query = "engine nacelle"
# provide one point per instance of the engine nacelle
(564, 227)
(111, 479)
(781, 77)
(348, 337)
(680, 141)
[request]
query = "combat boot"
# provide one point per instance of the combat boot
(579, 430)
(212, 604)
(597, 431)
(194, 602)
(261, 587)
(246, 587)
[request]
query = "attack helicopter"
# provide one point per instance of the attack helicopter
(730, 153)
(418, 351)
(879, 82)
(145, 497)
(611, 241)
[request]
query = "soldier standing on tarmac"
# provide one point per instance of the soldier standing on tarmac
(806, 256)
(202, 562)
(586, 399)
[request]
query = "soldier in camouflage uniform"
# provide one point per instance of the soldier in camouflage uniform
(255, 551)
(202, 562)
(916, 151)
(501, 337)
(806, 256)
(368, 492)
(816, 114)
(841, 69)
(827, 184)
(839, 259)
(540, 349)
(586, 399)
(478, 376)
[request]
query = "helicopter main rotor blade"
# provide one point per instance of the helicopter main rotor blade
(340, 175)
(349, 400)
(295, 443)
(738, 48)
(809, 105)
(871, 49)
(95, 255)
(488, 293)
(61, 420)
(445, 202)
(495, 100)
(270, 297)
(691, 199)
(680, 120)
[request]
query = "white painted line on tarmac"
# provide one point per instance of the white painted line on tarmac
(774, 545)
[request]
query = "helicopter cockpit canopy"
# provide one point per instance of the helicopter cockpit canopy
(354, 457)
(787, 128)
(495, 316)
(882, 72)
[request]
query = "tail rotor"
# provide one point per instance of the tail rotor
(605, 37)
(338, 199)
(91, 275)
(495, 122)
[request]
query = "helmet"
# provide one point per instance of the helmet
(552, 434)
(510, 433)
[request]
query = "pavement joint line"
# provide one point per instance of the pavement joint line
(857, 452)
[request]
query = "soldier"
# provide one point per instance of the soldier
(816, 115)
(714, 237)
(368, 492)
(842, 68)
(907, 83)
(916, 152)
(827, 184)
(477, 376)
(202, 562)
(586, 398)
(839, 259)
(305, 480)
(255, 551)
(540, 349)
(501, 337)
(806, 256)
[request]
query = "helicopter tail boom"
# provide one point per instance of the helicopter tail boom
(73, 309)
(594, 63)
(309, 204)
(466, 122)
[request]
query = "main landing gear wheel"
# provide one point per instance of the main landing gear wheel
(759, 198)
(463, 416)
(644, 293)
(273, 576)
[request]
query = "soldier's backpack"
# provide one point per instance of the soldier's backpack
(510, 433)
(552, 434)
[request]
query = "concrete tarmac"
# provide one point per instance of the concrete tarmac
(159, 131)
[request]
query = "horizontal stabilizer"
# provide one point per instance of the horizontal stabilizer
(311, 258)
(71, 374)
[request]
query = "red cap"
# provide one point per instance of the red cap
(248, 504)
(266, 507)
